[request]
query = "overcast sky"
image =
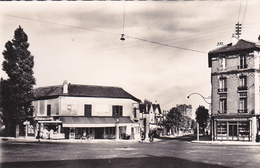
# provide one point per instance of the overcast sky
(80, 42)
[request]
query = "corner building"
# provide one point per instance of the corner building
(235, 71)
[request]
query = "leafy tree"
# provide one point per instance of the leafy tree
(173, 119)
(17, 88)
(202, 115)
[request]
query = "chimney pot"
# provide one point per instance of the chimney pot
(65, 87)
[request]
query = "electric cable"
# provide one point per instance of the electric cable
(244, 12)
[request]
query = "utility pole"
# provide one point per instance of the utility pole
(238, 29)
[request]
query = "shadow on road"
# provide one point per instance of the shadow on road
(188, 138)
(149, 161)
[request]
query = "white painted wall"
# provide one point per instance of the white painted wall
(100, 106)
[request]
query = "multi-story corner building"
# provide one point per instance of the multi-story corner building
(235, 77)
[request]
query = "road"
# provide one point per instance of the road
(170, 153)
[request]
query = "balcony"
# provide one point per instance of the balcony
(222, 111)
(242, 110)
(242, 88)
(221, 90)
(241, 66)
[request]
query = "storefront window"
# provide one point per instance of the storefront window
(222, 128)
(244, 130)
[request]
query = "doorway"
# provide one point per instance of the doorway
(99, 132)
(232, 131)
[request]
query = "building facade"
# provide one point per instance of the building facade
(73, 111)
(186, 110)
(235, 72)
(150, 118)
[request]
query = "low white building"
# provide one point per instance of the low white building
(74, 111)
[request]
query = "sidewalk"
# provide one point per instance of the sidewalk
(228, 143)
(207, 140)
(32, 139)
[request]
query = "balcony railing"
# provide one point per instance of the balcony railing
(242, 110)
(222, 90)
(222, 111)
(242, 88)
(241, 66)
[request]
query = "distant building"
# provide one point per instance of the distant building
(150, 117)
(186, 110)
(72, 111)
(235, 78)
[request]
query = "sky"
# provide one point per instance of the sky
(163, 58)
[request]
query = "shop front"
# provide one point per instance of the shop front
(48, 128)
(235, 129)
(99, 128)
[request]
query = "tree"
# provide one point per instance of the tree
(173, 119)
(17, 88)
(202, 115)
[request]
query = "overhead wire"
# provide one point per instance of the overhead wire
(60, 24)
(124, 19)
(239, 11)
(167, 45)
(94, 30)
(244, 12)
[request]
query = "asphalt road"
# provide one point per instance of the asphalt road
(168, 153)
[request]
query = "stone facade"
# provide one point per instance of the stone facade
(235, 79)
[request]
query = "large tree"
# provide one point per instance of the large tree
(17, 88)
(174, 120)
(202, 115)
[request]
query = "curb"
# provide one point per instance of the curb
(228, 143)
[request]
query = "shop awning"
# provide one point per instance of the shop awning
(96, 121)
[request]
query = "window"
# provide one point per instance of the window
(223, 106)
(88, 110)
(48, 110)
(222, 128)
(222, 63)
(117, 111)
(242, 83)
(242, 61)
(134, 112)
(222, 85)
(110, 130)
(242, 105)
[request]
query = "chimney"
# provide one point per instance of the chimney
(65, 87)
(234, 40)
(219, 44)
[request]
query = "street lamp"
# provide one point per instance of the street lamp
(117, 129)
(209, 103)
(204, 98)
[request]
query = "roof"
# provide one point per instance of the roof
(143, 108)
(95, 121)
(240, 46)
(83, 91)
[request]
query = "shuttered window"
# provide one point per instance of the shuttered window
(117, 111)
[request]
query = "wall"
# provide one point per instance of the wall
(100, 106)
(232, 63)
(40, 107)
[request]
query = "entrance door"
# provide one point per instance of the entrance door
(99, 132)
(233, 131)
